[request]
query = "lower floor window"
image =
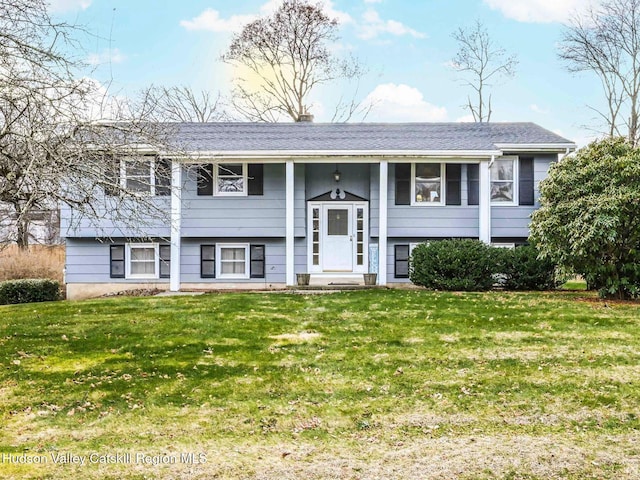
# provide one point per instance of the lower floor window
(142, 260)
(233, 261)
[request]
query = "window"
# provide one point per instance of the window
(503, 185)
(142, 260)
(146, 175)
(427, 183)
(232, 261)
(230, 179)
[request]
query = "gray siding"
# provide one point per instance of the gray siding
(87, 261)
(431, 222)
(250, 216)
(134, 222)
(513, 222)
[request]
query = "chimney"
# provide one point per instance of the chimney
(306, 118)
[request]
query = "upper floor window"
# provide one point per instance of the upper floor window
(231, 179)
(503, 181)
(427, 183)
(145, 175)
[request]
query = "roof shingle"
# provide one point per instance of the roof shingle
(361, 136)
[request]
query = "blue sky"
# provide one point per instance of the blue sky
(405, 44)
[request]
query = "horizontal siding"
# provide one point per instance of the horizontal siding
(275, 261)
(250, 216)
(87, 261)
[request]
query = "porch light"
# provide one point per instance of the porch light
(336, 175)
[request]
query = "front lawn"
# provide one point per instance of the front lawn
(370, 384)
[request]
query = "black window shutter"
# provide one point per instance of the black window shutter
(453, 174)
(163, 176)
(473, 183)
(525, 186)
(205, 179)
(116, 261)
(112, 175)
(257, 261)
(207, 261)
(255, 182)
(403, 184)
(401, 261)
(165, 261)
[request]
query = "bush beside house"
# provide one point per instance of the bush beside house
(28, 291)
(471, 265)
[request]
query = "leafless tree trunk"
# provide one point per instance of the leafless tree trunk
(482, 63)
(53, 152)
(288, 52)
(606, 41)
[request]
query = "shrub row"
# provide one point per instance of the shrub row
(471, 265)
(29, 290)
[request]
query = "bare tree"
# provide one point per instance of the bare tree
(52, 150)
(482, 63)
(289, 54)
(181, 104)
(606, 42)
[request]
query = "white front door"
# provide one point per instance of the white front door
(338, 237)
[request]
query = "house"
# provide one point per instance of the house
(254, 204)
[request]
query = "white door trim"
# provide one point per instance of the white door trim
(315, 259)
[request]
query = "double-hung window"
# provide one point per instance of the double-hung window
(503, 182)
(231, 179)
(427, 183)
(142, 260)
(146, 175)
(232, 260)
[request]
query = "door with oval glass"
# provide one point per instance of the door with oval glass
(338, 237)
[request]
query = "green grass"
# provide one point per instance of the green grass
(372, 384)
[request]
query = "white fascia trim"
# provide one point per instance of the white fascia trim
(329, 156)
(536, 147)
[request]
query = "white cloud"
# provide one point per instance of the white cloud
(402, 103)
(538, 11)
(373, 26)
(105, 57)
(59, 6)
(210, 19)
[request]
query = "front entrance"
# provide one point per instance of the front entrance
(338, 237)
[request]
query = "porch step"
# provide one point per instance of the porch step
(336, 287)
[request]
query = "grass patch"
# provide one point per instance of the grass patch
(371, 384)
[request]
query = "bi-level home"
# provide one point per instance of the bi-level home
(254, 204)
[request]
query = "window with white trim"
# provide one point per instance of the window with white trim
(232, 260)
(146, 175)
(230, 179)
(142, 260)
(427, 183)
(503, 182)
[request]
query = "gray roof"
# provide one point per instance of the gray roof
(361, 136)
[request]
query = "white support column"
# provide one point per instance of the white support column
(290, 224)
(485, 201)
(176, 225)
(382, 227)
